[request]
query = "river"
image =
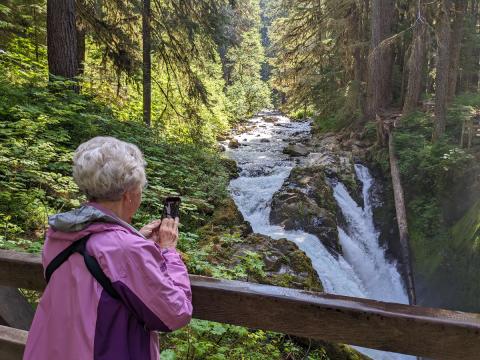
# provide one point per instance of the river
(363, 270)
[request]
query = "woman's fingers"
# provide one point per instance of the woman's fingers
(177, 221)
(149, 228)
(168, 233)
(170, 223)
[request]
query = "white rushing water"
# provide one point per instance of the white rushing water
(363, 270)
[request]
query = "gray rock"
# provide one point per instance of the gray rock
(270, 119)
(233, 144)
(296, 150)
(305, 202)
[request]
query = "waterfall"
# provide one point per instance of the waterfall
(360, 244)
(363, 270)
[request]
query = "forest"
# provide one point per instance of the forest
(391, 85)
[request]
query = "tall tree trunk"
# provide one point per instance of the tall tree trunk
(455, 47)
(81, 32)
(147, 64)
(99, 9)
(61, 38)
(443, 63)
(472, 76)
(379, 94)
(35, 32)
(401, 221)
(415, 65)
(355, 28)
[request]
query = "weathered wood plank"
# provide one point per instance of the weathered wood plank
(434, 333)
(21, 270)
(15, 311)
(12, 343)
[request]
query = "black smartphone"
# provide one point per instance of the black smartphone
(171, 207)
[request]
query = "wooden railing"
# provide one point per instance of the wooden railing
(433, 333)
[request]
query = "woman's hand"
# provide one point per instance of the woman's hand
(167, 233)
(149, 229)
(163, 232)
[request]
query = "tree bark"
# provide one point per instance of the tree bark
(355, 29)
(81, 33)
(147, 65)
(61, 38)
(443, 64)
(471, 54)
(402, 221)
(415, 65)
(379, 87)
(455, 47)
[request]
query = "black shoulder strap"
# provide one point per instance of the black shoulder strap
(79, 246)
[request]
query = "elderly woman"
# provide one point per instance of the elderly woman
(145, 285)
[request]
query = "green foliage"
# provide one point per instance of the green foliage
(41, 129)
(313, 45)
(210, 340)
(429, 167)
(247, 93)
(430, 175)
(176, 116)
(301, 114)
(467, 229)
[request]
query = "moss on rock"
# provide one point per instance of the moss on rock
(305, 202)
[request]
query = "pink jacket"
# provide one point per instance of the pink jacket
(77, 319)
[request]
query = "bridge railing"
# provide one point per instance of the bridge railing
(432, 333)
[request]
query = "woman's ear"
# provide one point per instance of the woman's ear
(127, 197)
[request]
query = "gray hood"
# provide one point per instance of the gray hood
(79, 219)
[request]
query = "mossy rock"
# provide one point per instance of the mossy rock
(285, 264)
(305, 202)
(231, 167)
(227, 214)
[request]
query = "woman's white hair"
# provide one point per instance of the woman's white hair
(105, 167)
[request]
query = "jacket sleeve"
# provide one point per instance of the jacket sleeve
(153, 283)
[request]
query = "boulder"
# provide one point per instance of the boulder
(232, 240)
(305, 202)
(270, 119)
(265, 140)
(233, 144)
(296, 150)
(231, 166)
(283, 263)
(224, 137)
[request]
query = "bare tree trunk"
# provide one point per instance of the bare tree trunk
(402, 221)
(61, 38)
(473, 53)
(379, 93)
(443, 63)
(415, 65)
(355, 29)
(455, 47)
(81, 33)
(147, 64)
(35, 32)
